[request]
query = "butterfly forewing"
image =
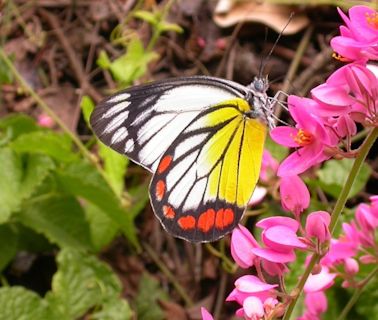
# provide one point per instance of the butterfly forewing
(143, 121)
(205, 179)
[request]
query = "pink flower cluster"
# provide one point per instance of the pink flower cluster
(323, 123)
(356, 245)
(348, 96)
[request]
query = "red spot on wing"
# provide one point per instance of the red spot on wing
(224, 218)
(206, 220)
(168, 212)
(160, 190)
(187, 222)
(164, 164)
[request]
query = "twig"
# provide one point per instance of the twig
(180, 290)
(76, 66)
(219, 303)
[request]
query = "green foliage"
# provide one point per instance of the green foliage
(149, 294)
(277, 151)
(49, 143)
(60, 218)
(129, 66)
(10, 182)
(6, 75)
(157, 22)
(8, 245)
(334, 173)
(81, 286)
(82, 283)
(18, 303)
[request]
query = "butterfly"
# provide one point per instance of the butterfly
(202, 138)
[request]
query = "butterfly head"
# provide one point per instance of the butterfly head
(263, 107)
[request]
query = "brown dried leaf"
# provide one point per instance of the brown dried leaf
(272, 15)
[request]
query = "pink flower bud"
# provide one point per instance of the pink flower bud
(319, 282)
(316, 302)
(368, 259)
(351, 266)
(317, 225)
(45, 121)
(242, 242)
(367, 221)
(205, 314)
(253, 308)
(295, 196)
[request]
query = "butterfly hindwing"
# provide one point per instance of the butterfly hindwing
(205, 179)
(143, 121)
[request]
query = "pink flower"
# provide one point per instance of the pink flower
(309, 137)
(280, 239)
(295, 196)
(319, 282)
(317, 225)
(352, 90)
(45, 121)
(254, 295)
(339, 250)
(366, 219)
(269, 167)
(205, 314)
(242, 243)
(351, 266)
(316, 304)
(359, 38)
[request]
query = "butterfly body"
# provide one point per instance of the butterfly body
(202, 137)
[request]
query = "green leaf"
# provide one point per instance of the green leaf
(277, 151)
(60, 218)
(115, 165)
(18, 303)
(17, 125)
(166, 26)
(6, 75)
(114, 310)
(57, 146)
(31, 241)
(147, 306)
(10, 182)
(102, 228)
(147, 16)
(8, 245)
(81, 283)
(87, 106)
(334, 174)
(83, 180)
(38, 167)
(103, 60)
(133, 64)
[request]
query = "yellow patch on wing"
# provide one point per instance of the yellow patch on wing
(233, 153)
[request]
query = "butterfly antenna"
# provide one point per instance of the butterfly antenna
(265, 61)
(262, 60)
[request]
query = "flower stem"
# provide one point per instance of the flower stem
(357, 294)
(339, 206)
(298, 289)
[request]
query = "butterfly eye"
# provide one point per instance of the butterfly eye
(259, 85)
